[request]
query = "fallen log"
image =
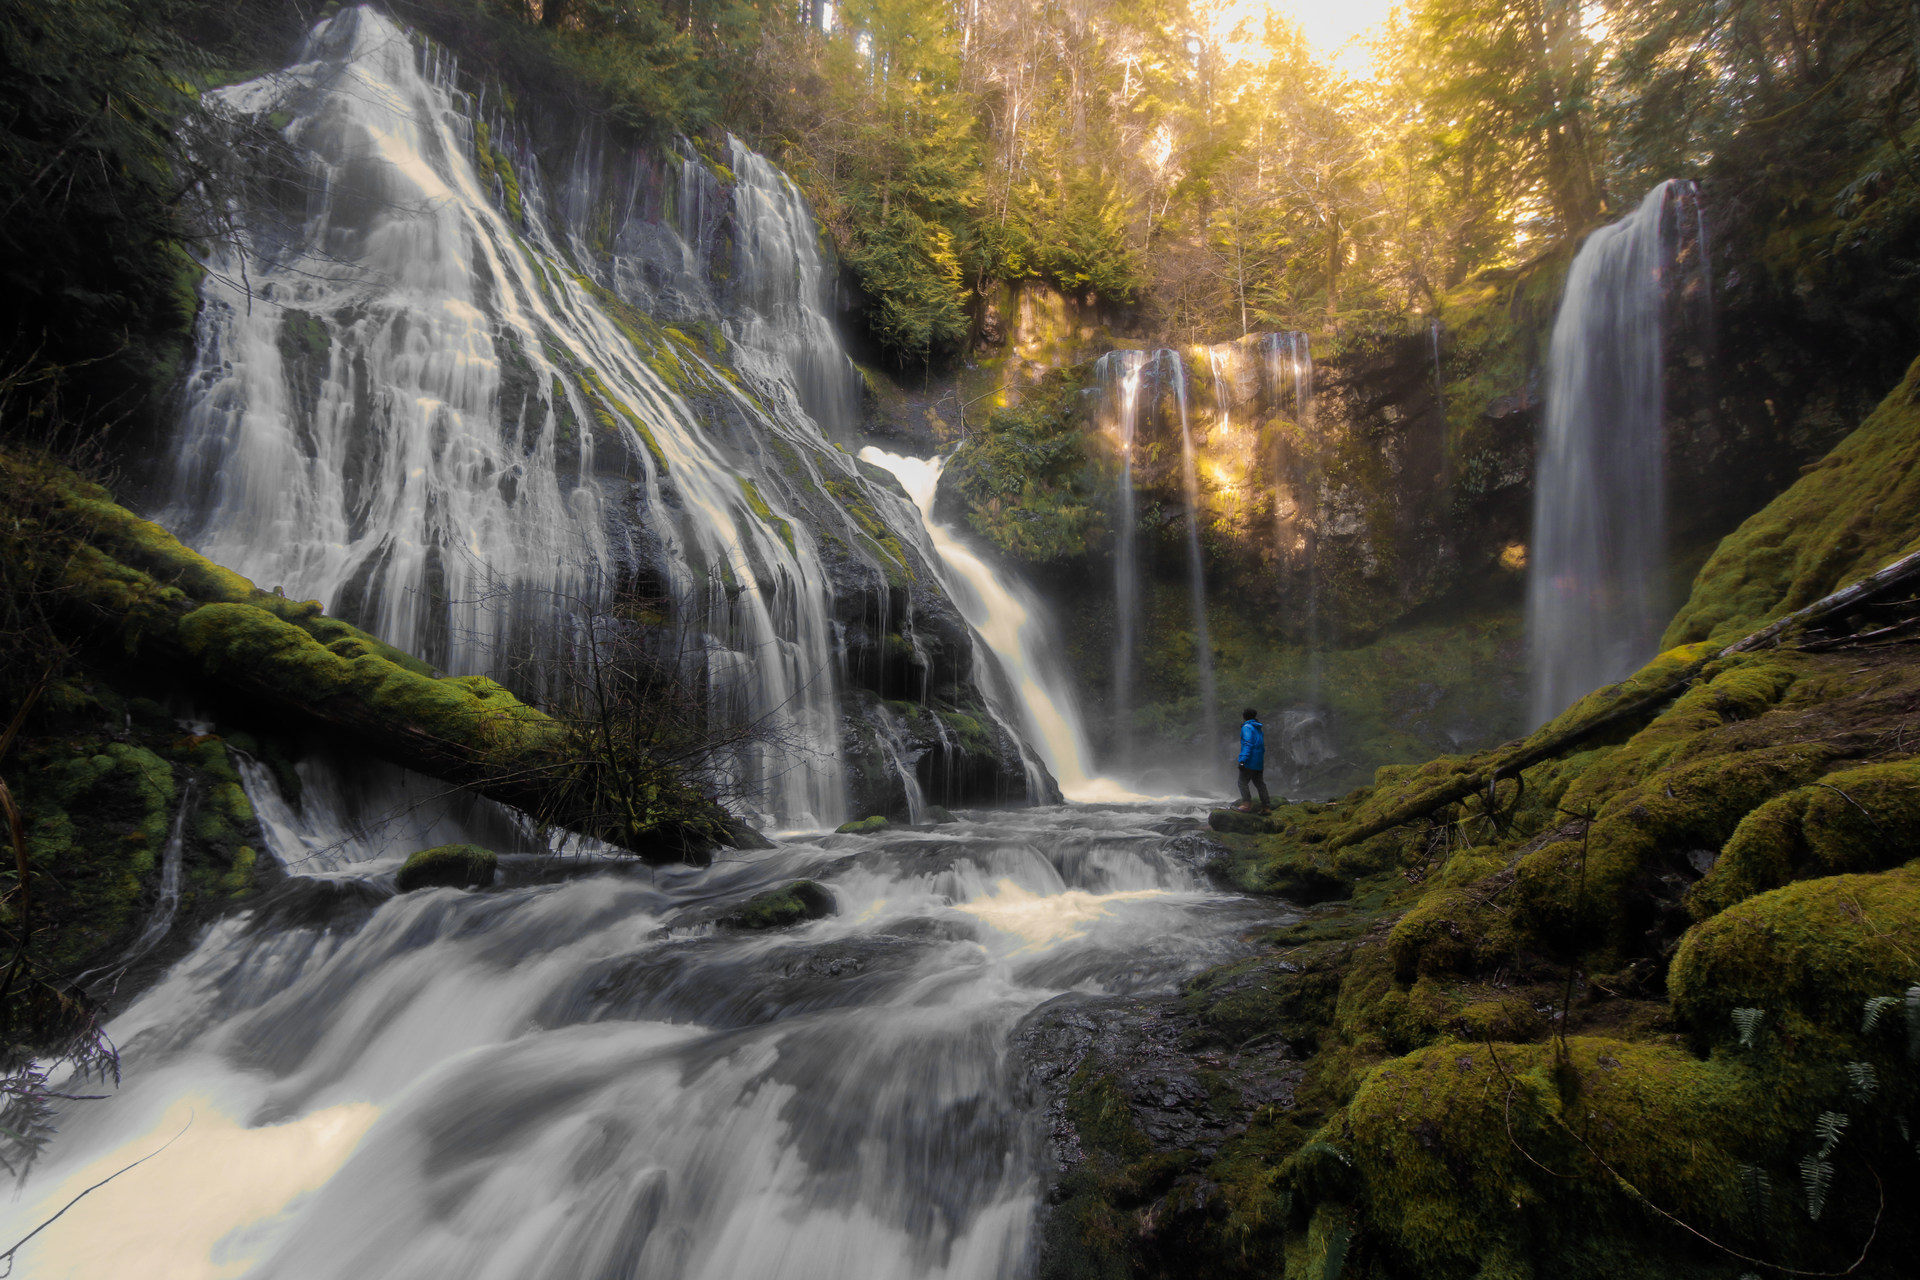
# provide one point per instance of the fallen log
(1559, 736)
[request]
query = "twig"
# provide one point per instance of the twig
(7, 1257)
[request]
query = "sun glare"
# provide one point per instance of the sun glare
(1338, 30)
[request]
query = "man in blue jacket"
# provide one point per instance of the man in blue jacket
(1253, 761)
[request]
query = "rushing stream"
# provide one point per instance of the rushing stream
(579, 1075)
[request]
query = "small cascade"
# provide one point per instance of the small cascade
(1118, 375)
(166, 903)
(1196, 563)
(1015, 632)
(894, 748)
(1595, 595)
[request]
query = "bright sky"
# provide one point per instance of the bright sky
(1337, 29)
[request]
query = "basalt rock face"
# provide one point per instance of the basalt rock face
(595, 378)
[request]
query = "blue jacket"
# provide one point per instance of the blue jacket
(1253, 745)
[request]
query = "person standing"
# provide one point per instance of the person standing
(1253, 761)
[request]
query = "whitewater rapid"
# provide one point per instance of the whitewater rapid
(578, 1074)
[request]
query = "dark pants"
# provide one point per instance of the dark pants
(1258, 777)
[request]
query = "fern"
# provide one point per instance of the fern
(1827, 1130)
(1747, 1021)
(1758, 1188)
(1877, 1008)
(1817, 1174)
(1860, 1076)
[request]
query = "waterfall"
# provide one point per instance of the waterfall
(1014, 629)
(1118, 375)
(1596, 598)
(412, 404)
(1196, 562)
(1288, 358)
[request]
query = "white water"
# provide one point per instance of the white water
(391, 412)
(1289, 365)
(1596, 598)
(1014, 629)
(582, 1079)
(1196, 562)
(1118, 375)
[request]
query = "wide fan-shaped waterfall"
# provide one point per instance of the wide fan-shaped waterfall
(413, 404)
(1596, 597)
(447, 401)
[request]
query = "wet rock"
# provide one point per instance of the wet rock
(1178, 1092)
(798, 902)
(454, 866)
(1234, 822)
(742, 836)
(872, 826)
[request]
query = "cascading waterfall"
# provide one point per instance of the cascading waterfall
(411, 407)
(1196, 561)
(1288, 357)
(1595, 593)
(1014, 631)
(1118, 375)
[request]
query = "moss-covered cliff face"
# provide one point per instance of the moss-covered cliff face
(1625, 998)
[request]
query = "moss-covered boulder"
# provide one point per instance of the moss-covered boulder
(869, 826)
(452, 866)
(792, 904)
(1807, 956)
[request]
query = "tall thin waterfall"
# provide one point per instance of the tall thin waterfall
(1596, 597)
(1118, 375)
(1196, 562)
(1288, 358)
(1015, 633)
(410, 404)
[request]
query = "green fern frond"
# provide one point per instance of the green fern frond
(1747, 1022)
(1818, 1175)
(1877, 1008)
(1758, 1188)
(1860, 1076)
(1827, 1130)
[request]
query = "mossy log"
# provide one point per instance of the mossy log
(118, 578)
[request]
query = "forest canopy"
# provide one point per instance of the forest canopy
(1197, 161)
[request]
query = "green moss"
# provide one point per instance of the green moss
(238, 881)
(879, 535)
(791, 904)
(603, 404)
(758, 505)
(870, 826)
(1809, 954)
(1485, 1161)
(1862, 819)
(454, 866)
(1851, 513)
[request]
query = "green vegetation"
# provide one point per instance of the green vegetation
(1031, 486)
(1851, 513)
(455, 866)
(1624, 998)
(869, 826)
(792, 904)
